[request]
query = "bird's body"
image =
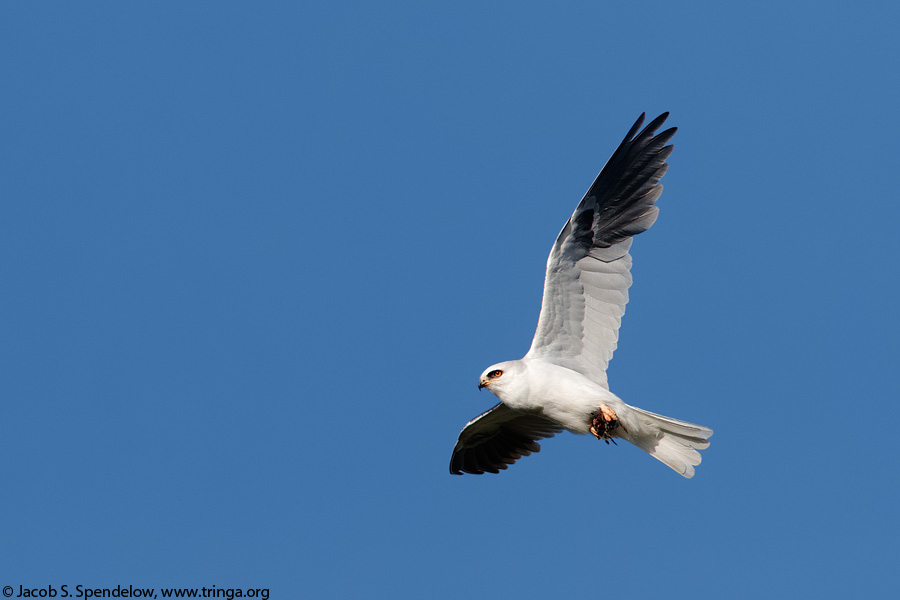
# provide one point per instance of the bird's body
(561, 383)
(554, 392)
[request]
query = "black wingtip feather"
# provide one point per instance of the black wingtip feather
(655, 123)
(623, 192)
(636, 127)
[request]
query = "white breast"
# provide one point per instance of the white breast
(561, 394)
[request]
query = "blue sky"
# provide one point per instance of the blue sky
(255, 256)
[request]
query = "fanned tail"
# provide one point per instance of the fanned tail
(673, 442)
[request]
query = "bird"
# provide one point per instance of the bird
(561, 383)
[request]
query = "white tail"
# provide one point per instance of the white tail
(675, 443)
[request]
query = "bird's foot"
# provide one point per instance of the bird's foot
(603, 423)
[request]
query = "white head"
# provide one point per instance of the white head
(504, 379)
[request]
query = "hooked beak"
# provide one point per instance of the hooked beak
(482, 384)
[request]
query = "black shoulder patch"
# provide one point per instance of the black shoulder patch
(583, 230)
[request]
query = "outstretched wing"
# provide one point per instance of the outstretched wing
(589, 268)
(497, 438)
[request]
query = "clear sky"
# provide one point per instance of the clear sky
(254, 256)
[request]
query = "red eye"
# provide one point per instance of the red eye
(494, 374)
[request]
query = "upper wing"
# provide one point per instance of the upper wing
(589, 268)
(498, 438)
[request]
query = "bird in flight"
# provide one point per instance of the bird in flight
(561, 383)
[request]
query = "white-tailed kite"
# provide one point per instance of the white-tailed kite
(561, 382)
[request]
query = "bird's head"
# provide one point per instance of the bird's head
(501, 377)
